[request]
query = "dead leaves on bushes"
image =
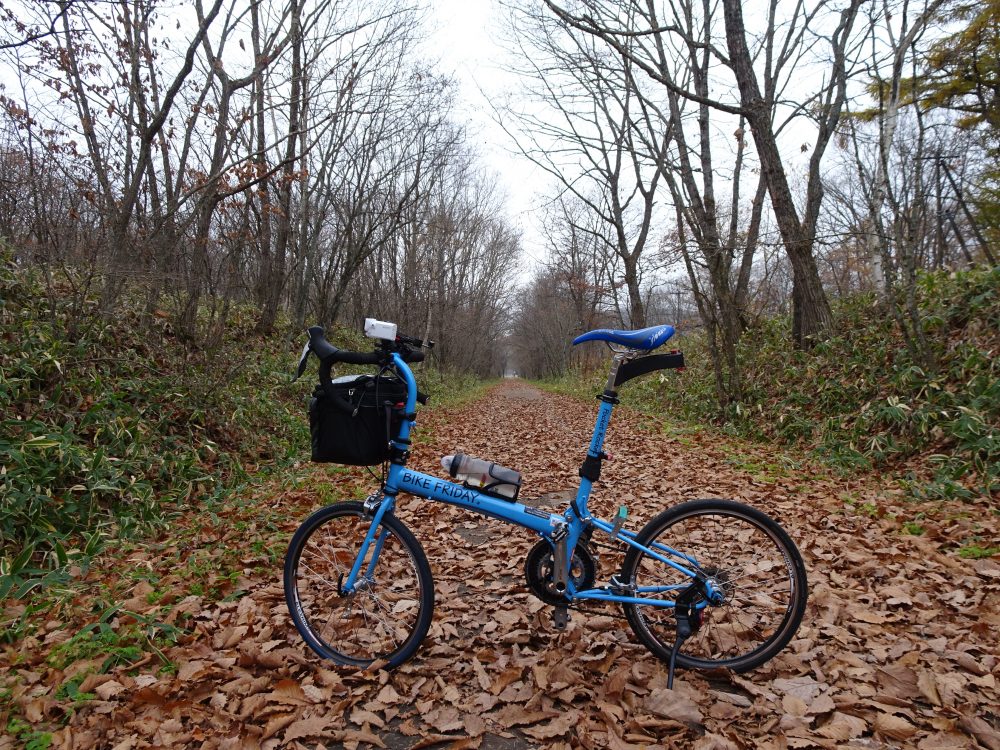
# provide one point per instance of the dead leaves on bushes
(898, 647)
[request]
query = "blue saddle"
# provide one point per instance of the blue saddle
(645, 338)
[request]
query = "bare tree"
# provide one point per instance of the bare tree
(900, 44)
(388, 159)
(708, 241)
(453, 276)
(140, 128)
(218, 183)
(29, 31)
(572, 294)
(784, 41)
(580, 261)
(595, 137)
(288, 154)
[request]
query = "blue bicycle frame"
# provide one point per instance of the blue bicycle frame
(555, 527)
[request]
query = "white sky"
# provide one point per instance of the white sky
(467, 38)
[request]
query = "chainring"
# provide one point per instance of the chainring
(540, 565)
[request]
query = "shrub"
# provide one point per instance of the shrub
(108, 433)
(858, 400)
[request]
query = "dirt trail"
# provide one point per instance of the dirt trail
(898, 647)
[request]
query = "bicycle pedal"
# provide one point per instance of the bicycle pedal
(560, 617)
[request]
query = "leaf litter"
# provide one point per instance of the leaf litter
(898, 646)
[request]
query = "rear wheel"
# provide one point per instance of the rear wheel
(388, 613)
(747, 556)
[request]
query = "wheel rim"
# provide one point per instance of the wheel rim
(379, 618)
(747, 563)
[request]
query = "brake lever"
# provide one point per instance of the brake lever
(302, 361)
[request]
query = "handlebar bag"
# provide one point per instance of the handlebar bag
(356, 427)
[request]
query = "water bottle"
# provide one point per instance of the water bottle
(486, 476)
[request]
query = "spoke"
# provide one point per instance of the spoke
(740, 556)
(782, 578)
(389, 630)
(717, 553)
(391, 577)
(344, 614)
(770, 611)
(747, 594)
(378, 617)
(368, 629)
(752, 628)
(331, 561)
(315, 574)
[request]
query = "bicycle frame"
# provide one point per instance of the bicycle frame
(572, 523)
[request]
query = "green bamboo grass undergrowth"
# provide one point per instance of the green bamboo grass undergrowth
(112, 432)
(858, 400)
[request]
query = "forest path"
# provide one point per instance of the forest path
(898, 647)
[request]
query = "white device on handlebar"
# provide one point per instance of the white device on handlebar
(376, 329)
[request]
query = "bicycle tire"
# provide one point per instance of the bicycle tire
(355, 629)
(754, 561)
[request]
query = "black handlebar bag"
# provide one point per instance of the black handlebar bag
(355, 424)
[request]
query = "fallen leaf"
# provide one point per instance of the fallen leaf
(554, 728)
(981, 730)
(108, 690)
(894, 726)
(843, 727)
(669, 704)
(314, 726)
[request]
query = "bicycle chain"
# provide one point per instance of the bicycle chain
(594, 609)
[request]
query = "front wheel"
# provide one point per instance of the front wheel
(748, 557)
(387, 614)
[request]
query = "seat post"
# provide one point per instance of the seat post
(616, 362)
(590, 470)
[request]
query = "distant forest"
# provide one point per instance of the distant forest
(300, 157)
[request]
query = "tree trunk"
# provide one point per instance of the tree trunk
(637, 308)
(812, 317)
(275, 284)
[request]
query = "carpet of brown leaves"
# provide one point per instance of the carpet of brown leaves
(898, 647)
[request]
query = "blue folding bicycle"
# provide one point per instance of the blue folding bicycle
(704, 584)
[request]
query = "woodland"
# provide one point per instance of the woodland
(808, 191)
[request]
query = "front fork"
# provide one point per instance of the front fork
(376, 506)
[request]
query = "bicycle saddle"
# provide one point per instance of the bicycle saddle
(646, 339)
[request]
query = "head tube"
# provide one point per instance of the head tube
(411, 391)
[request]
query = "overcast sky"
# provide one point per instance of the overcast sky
(467, 36)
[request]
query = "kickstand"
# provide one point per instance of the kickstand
(560, 617)
(684, 631)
